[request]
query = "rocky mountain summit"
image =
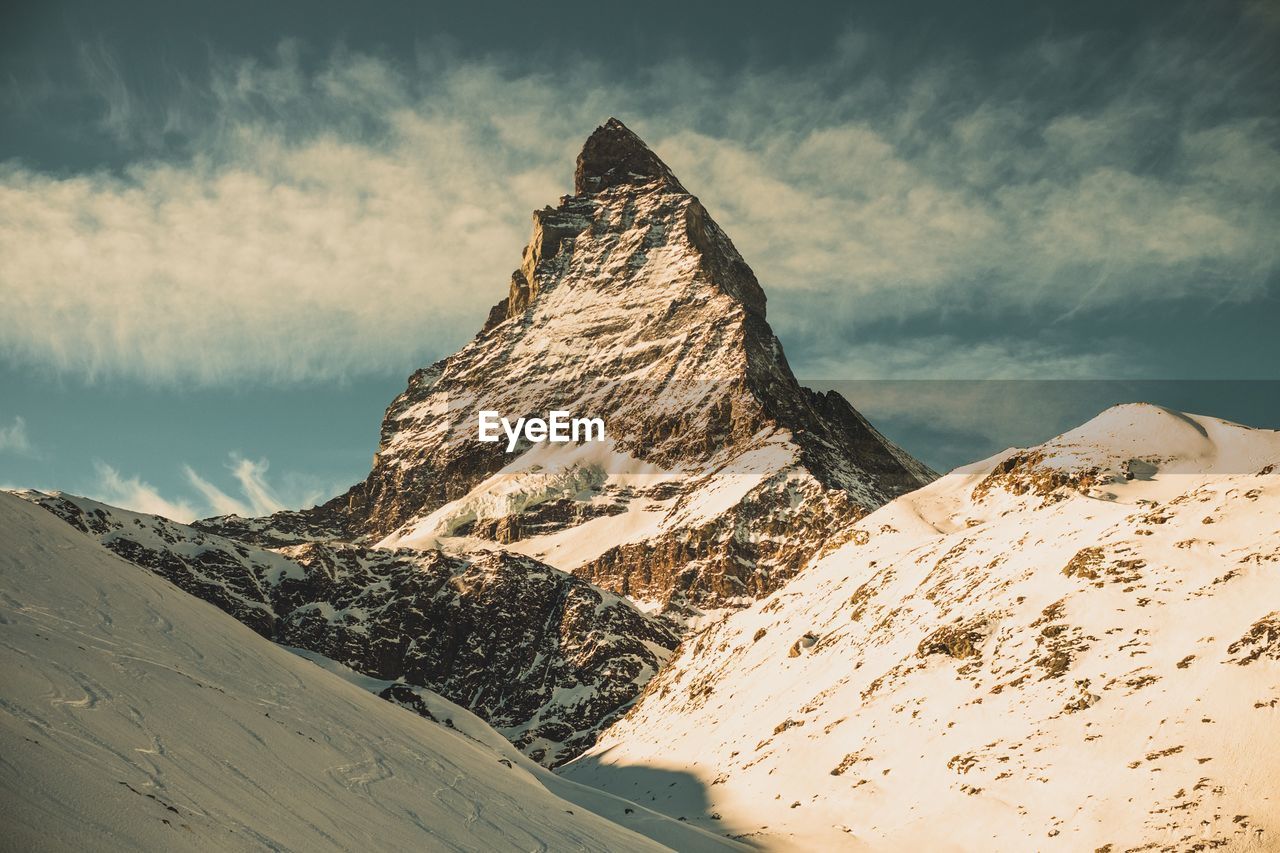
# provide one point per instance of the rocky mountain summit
(542, 656)
(1074, 646)
(742, 608)
(721, 475)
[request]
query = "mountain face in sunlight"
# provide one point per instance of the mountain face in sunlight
(503, 580)
(738, 613)
(1073, 646)
(632, 305)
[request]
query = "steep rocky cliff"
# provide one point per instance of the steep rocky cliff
(721, 475)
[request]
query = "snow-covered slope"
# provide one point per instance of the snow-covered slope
(1072, 647)
(544, 656)
(630, 304)
(137, 717)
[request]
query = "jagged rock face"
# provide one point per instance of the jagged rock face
(544, 657)
(703, 563)
(230, 575)
(1077, 641)
(614, 156)
(287, 527)
(629, 304)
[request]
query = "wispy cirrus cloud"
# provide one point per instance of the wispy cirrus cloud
(218, 501)
(259, 498)
(352, 216)
(133, 493)
(14, 438)
(256, 495)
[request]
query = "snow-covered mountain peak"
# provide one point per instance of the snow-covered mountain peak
(632, 305)
(1168, 440)
(1126, 443)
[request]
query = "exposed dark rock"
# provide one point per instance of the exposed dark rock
(1262, 640)
(614, 156)
(959, 640)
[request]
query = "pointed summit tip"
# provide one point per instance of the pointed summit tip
(614, 156)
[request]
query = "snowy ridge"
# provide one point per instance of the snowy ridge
(543, 656)
(1071, 647)
(138, 717)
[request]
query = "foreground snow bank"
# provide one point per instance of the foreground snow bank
(135, 716)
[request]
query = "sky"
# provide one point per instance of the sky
(229, 232)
